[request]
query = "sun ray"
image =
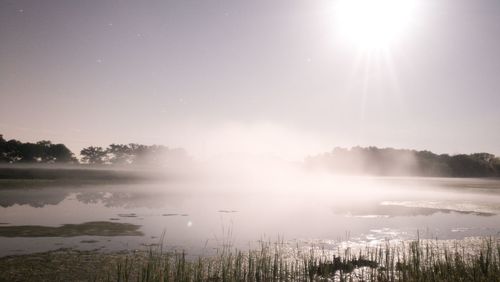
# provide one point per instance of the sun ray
(373, 24)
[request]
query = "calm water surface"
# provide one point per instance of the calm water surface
(199, 216)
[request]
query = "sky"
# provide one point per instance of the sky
(284, 77)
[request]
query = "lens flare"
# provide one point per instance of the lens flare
(373, 24)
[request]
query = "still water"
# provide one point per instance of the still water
(200, 216)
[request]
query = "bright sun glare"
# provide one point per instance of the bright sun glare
(374, 24)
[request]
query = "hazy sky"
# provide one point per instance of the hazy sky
(252, 76)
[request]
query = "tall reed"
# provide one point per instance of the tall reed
(419, 260)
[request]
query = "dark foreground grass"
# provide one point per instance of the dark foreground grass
(59, 265)
(421, 260)
(407, 261)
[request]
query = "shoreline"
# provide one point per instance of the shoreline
(386, 259)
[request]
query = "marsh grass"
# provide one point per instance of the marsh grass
(420, 260)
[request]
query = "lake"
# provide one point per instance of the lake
(202, 215)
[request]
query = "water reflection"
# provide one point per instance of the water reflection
(110, 196)
(33, 197)
(200, 214)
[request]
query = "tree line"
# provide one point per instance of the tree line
(357, 160)
(125, 154)
(392, 162)
(15, 151)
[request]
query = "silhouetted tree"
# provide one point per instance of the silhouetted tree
(93, 155)
(3, 150)
(138, 153)
(13, 151)
(29, 152)
(59, 153)
(496, 166)
(10, 151)
(389, 161)
(133, 154)
(119, 154)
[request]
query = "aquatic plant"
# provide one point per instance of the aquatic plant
(93, 228)
(420, 260)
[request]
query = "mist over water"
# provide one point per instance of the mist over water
(240, 199)
(276, 128)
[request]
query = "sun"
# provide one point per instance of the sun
(374, 24)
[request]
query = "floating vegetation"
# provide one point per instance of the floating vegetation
(149, 245)
(127, 215)
(170, 214)
(227, 211)
(89, 241)
(95, 228)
